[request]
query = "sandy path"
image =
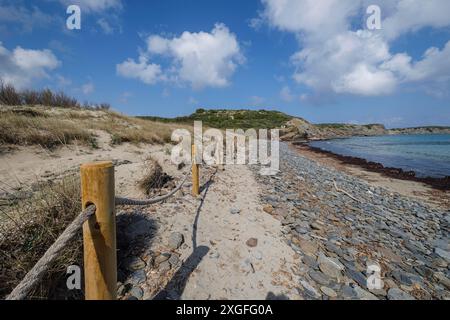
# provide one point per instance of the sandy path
(230, 269)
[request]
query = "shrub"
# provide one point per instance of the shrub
(9, 95)
(30, 227)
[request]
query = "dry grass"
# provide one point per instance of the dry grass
(28, 128)
(51, 127)
(29, 227)
(154, 177)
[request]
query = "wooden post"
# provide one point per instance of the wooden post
(195, 173)
(99, 232)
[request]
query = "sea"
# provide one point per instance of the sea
(426, 154)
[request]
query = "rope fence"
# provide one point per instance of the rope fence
(99, 234)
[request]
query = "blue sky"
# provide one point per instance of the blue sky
(314, 59)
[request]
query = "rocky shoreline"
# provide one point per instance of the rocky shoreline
(339, 225)
(397, 173)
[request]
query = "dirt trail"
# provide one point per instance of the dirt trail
(232, 269)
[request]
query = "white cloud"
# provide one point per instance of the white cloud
(105, 26)
(148, 73)
(95, 6)
(199, 59)
(257, 101)
(88, 88)
(21, 66)
(412, 15)
(336, 58)
(286, 95)
(27, 19)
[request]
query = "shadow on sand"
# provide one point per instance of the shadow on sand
(175, 287)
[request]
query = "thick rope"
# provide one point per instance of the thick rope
(37, 272)
(136, 202)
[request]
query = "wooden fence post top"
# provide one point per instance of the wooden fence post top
(97, 164)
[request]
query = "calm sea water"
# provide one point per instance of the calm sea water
(427, 155)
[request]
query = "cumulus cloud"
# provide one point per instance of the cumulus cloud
(149, 73)
(199, 59)
(336, 57)
(21, 66)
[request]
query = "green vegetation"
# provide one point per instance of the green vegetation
(231, 119)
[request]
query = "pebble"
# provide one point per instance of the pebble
(176, 239)
(310, 290)
(235, 210)
(397, 294)
(252, 242)
(328, 291)
(136, 292)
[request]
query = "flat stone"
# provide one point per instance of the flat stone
(397, 294)
(442, 279)
(330, 266)
(348, 292)
(161, 258)
(308, 247)
(363, 294)
(442, 253)
(174, 260)
(328, 291)
(134, 263)
(235, 210)
(310, 290)
(319, 277)
(252, 242)
(164, 266)
(268, 208)
(357, 276)
(310, 261)
(176, 239)
(137, 292)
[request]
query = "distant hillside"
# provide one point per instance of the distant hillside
(292, 128)
(231, 119)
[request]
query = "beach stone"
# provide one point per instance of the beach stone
(328, 292)
(357, 276)
(363, 294)
(442, 253)
(161, 258)
(310, 290)
(442, 279)
(397, 294)
(176, 239)
(137, 277)
(310, 261)
(308, 247)
(319, 277)
(268, 208)
(252, 242)
(174, 260)
(330, 266)
(348, 292)
(134, 263)
(164, 266)
(235, 210)
(136, 292)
